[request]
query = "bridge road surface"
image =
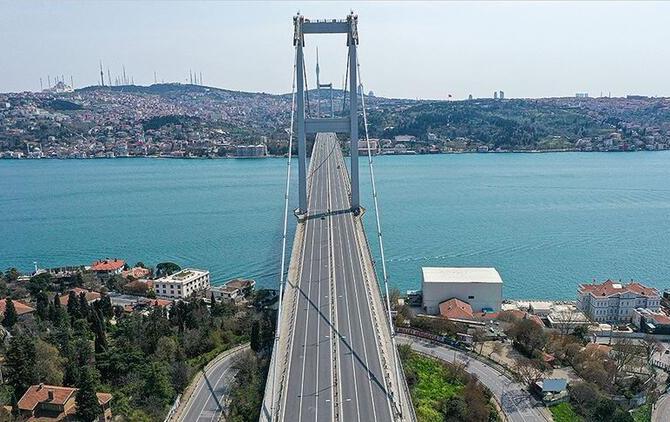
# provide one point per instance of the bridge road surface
(330, 254)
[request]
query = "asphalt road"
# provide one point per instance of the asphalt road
(208, 399)
(517, 403)
(662, 409)
(331, 258)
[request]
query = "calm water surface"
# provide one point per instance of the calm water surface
(546, 221)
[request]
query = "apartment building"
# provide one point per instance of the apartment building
(182, 284)
(614, 302)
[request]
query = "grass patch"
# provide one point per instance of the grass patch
(564, 412)
(433, 385)
(642, 413)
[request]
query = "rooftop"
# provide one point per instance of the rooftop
(20, 307)
(186, 274)
(611, 288)
(460, 275)
(455, 309)
(36, 394)
(108, 265)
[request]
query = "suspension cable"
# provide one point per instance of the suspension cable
(283, 244)
(304, 74)
(344, 88)
(379, 230)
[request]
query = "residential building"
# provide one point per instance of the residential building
(90, 295)
(182, 284)
(53, 403)
(614, 302)
(651, 322)
(456, 309)
(251, 151)
(234, 290)
(481, 288)
(566, 318)
(363, 147)
(108, 267)
(22, 310)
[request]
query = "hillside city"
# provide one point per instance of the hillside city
(181, 121)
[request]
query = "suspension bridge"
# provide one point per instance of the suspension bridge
(334, 357)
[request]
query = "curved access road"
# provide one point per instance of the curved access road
(208, 400)
(517, 404)
(661, 409)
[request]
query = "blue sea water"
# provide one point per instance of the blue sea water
(547, 222)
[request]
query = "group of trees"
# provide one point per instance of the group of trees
(144, 360)
(588, 401)
(451, 393)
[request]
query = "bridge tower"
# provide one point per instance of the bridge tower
(310, 125)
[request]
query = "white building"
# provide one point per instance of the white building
(182, 284)
(615, 302)
(481, 288)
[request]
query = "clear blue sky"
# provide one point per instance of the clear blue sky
(412, 50)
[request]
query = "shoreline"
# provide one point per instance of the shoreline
(159, 157)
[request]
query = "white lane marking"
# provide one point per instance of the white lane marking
(349, 219)
(309, 295)
(369, 309)
(332, 283)
(346, 303)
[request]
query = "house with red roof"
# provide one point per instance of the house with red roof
(108, 267)
(22, 310)
(456, 309)
(54, 403)
(91, 296)
(615, 302)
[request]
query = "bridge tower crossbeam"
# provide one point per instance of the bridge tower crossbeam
(310, 125)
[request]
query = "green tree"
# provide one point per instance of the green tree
(167, 268)
(88, 407)
(48, 363)
(256, 336)
(42, 306)
(98, 326)
(83, 305)
(73, 305)
(20, 362)
(158, 385)
(10, 317)
(12, 275)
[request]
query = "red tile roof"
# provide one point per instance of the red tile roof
(136, 272)
(108, 265)
(36, 394)
(456, 309)
(90, 296)
(21, 308)
(610, 288)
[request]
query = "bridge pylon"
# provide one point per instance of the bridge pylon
(311, 125)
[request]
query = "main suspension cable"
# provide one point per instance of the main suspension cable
(379, 229)
(283, 243)
(344, 88)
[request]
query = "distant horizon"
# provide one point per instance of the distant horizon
(339, 89)
(413, 50)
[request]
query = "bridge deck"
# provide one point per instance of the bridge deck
(334, 334)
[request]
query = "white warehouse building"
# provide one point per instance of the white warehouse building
(481, 288)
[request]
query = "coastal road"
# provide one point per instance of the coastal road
(517, 403)
(661, 411)
(208, 400)
(335, 362)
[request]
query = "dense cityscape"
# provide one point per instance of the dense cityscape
(182, 121)
(265, 290)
